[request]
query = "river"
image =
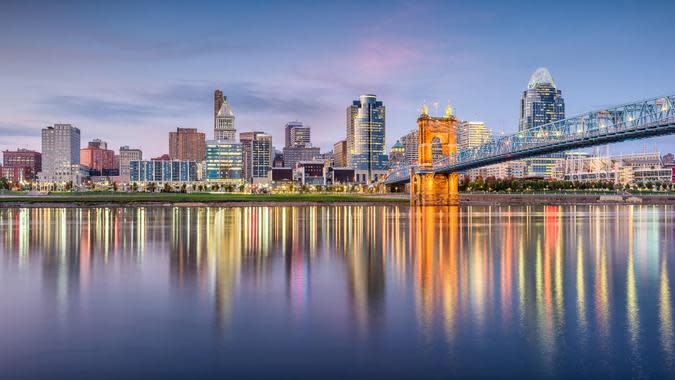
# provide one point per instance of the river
(337, 292)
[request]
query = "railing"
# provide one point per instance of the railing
(634, 120)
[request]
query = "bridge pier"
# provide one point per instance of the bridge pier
(434, 189)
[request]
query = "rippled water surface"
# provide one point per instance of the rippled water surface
(337, 291)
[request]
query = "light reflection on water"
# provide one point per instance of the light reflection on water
(549, 291)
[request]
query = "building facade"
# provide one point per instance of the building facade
(397, 154)
(125, 157)
(257, 155)
(296, 134)
(471, 134)
(187, 144)
(541, 103)
(61, 154)
(98, 158)
(340, 154)
(223, 119)
(366, 135)
(293, 155)
(163, 171)
(21, 165)
(224, 161)
(410, 144)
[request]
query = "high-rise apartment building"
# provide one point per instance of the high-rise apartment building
(542, 103)
(411, 143)
(223, 119)
(98, 158)
(61, 154)
(366, 135)
(340, 154)
(257, 155)
(187, 144)
(470, 134)
(297, 134)
(125, 157)
(21, 164)
(223, 161)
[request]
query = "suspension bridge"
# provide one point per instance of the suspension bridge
(436, 182)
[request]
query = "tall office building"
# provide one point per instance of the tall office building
(471, 134)
(257, 155)
(98, 158)
(187, 144)
(21, 164)
(61, 154)
(125, 157)
(297, 134)
(340, 154)
(223, 161)
(223, 119)
(366, 135)
(542, 103)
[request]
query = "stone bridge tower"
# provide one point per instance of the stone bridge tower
(427, 187)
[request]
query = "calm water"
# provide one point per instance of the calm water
(334, 292)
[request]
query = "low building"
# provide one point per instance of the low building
(310, 172)
(163, 171)
(626, 168)
(338, 176)
(295, 154)
(277, 175)
(21, 165)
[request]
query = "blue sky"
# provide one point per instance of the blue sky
(129, 72)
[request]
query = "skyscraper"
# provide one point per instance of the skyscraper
(542, 103)
(187, 144)
(257, 155)
(366, 135)
(61, 154)
(223, 119)
(297, 134)
(471, 134)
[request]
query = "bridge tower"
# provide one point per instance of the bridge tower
(426, 187)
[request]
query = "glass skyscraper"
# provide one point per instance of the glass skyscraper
(542, 103)
(366, 135)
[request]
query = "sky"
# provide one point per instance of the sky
(128, 72)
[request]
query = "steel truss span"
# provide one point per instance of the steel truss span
(647, 118)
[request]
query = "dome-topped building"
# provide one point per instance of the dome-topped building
(540, 76)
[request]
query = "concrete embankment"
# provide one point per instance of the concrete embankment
(540, 199)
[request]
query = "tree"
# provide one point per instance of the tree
(4, 183)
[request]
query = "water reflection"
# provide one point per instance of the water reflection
(568, 288)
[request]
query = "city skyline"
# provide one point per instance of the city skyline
(125, 79)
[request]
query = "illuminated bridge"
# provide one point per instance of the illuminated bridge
(435, 182)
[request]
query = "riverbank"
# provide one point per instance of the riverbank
(226, 199)
(194, 199)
